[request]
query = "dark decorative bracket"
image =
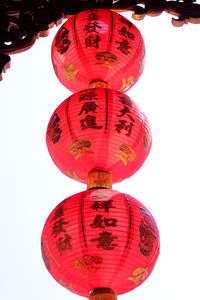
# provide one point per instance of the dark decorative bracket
(22, 21)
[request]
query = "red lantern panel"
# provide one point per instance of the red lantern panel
(98, 48)
(99, 239)
(99, 129)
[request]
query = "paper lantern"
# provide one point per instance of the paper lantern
(100, 243)
(98, 48)
(98, 129)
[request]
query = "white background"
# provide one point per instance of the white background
(168, 184)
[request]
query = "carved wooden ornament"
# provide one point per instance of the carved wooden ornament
(22, 22)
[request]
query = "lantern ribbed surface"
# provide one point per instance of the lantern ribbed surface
(98, 48)
(98, 129)
(100, 239)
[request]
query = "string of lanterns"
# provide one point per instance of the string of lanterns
(99, 243)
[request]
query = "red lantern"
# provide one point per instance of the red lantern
(98, 48)
(100, 243)
(98, 129)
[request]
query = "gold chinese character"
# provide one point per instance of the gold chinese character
(139, 275)
(89, 264)
(127, 153)
(127, 84)
(70, 72)
(106, 59)
(78, 149)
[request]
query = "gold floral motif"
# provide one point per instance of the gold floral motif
(119, 180)
(74, 175)
(99, 194)
(126, 84)
(147, 138)
(127, 153)
(139, 275)
(69, 287)
(77, 149)
(70, 72)
(142, 62)
(61, 282)
(50, 251)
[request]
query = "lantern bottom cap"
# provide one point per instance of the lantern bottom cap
(98, 83)
(102, 294)
(99, 179)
